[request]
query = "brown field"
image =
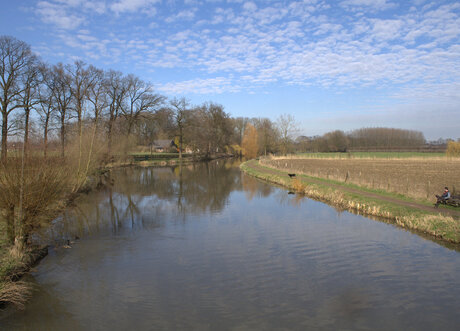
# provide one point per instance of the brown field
(415, 178)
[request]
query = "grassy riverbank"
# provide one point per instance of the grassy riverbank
(12, 266)
(401, 210)
(16, 262)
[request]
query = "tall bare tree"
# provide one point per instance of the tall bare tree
(97, 94)
(287, 127)
(46, 105)
(267, 134)
(219, 127)
(179, 108)
(97, 97)
(116, 88)
(15, 58)
(29, 98)
(82, 80)
(60, 84)
(139, 99)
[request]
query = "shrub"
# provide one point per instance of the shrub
(298, 186)
(32, 190)
(453, 149)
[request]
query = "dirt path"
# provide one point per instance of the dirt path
(255, 165)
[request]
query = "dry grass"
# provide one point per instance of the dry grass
(16, 293)
(415, 177)
(298, 186)
(13, 264)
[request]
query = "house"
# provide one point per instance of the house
(163, 145)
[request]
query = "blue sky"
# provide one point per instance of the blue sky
(342, 64)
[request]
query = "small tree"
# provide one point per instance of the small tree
(250, 143)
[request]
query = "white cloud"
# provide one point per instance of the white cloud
(376, 5)
(303, 44)
(200, 86)
(183, 15)
(386, 29)
(52, 13)
(98, 7)
(250, 6)
(130, 6)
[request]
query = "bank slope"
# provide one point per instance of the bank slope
(443, 224)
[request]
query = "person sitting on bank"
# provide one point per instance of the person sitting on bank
(444, 197)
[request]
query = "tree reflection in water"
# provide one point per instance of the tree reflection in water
(140, 197)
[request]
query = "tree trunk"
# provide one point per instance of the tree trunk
(26, 132)
(4, 136)
(45, 136)
(62, 136)
(180, 143)
(109, 135)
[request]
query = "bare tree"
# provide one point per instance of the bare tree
(179, 108)
(116, 87)
(219, 127)
(82, 80)
(60, 85)
(336, 141)
(29, 98)
(267, 134)
(287, 127)
(46, 106)
(240, 125)
(139, 99)
(15, 58)
(97, 94)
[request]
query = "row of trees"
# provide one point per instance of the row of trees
(77, 99)
(365, 138)
(59, 122)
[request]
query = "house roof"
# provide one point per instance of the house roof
(163, 143)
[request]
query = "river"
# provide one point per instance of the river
(205, 247)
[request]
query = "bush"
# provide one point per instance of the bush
(453, 149)
(298, 186)
(32, 190)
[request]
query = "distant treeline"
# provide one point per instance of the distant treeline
(365, 139)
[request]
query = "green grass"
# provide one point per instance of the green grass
(377, 155)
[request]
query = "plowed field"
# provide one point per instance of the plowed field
(416, 178)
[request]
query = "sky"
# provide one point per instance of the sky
(333, 65)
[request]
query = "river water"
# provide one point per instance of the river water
(205, 247)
